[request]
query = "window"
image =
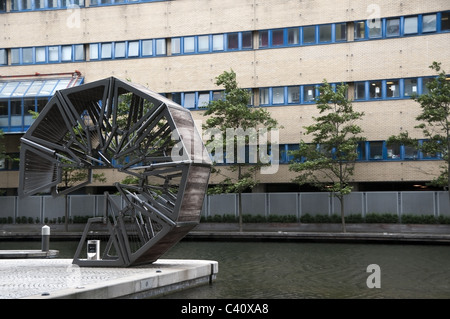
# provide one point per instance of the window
(40, 55)
(341, 31)
(79, 52)
(3, 57)
(293, 36)
(393, 151)
(374, 27)
(309, 93)
(3, 112)
(176, 45)
(93, 51)
(393, 27)
(218, 42)
(360, 91)
(392, 88)
(361, 149)
(41, 103)
(325, 33)
(411, 153)
(203, 43)
(360, 30)
(375, 150)
(203, 99)
(263, 38)
(176, 97)
(410, 87)
(233, 41)
(2, 5)
(66, 53)
(247, 40)
(15, 56)
(375, 90)
(28, 105)
(309, 34)
(218, 95)
(445, 21)
(277, 37)
(53, 54)
(133, 48)
(147, 47)
(278, 95)
(429, 23)
(106, 50)
(26, 4)
(293, 94)
(189, 44)
(161, 47)
(189, 100)
(410, 25)
(52, 3)
(27, 55)
(119, 49)
(425, 83)
(264, 96)
(39, 4)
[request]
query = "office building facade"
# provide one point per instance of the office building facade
(281, 52)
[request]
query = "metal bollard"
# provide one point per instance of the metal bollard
(45, 231)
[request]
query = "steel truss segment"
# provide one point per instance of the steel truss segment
(112, 123)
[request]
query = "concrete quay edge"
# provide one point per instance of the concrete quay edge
(60, 279)
(326, 232)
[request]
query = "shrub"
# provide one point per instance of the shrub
(419, 219)
(386, 218)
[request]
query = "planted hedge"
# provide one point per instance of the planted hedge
(383, 218)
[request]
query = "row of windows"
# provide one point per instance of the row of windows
(306, 94)
(370, 151)
(32, 5)
(367, 151)
(17, 98)
(307, 35)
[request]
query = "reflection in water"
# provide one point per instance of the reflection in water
(275, 270)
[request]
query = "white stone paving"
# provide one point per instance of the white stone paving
(21, 278)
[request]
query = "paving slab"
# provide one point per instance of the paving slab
(60, 279)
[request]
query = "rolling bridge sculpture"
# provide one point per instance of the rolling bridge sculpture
(111, 123)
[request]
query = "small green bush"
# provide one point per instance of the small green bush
(385, 218)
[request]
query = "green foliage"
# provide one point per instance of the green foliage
(328, 162)
(434, 122)
(234, 112)
(385, 218)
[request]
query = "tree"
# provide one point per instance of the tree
(328, 162)
(435, 124)
(233, 114)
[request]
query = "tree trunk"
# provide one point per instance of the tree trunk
(341, 200)
(240, 202)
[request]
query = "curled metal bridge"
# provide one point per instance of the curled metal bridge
(113, 123)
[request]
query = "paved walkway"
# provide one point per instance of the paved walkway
(59, 278)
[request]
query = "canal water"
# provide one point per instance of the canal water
(288, 270)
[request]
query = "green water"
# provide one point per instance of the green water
(276, 270)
